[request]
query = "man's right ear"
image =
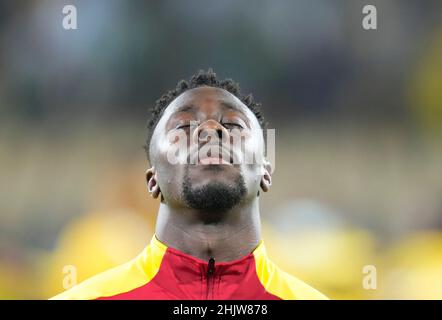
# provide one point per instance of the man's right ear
(152, 182)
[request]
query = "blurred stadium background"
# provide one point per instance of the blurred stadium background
(358, 119)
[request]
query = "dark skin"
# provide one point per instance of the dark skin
(229, 235)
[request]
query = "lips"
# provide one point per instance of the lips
(223, 156)
(213, 160)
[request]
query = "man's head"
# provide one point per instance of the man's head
(211, 115)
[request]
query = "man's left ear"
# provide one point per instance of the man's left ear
(266, 178)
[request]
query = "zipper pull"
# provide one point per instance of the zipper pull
(211, 267)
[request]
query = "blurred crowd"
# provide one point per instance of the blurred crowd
(357, 114)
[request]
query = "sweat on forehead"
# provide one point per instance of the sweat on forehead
(208, 96)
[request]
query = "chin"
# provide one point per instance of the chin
(214, 195)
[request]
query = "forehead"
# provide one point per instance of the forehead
(207, 99)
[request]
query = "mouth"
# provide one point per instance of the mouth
(223, 157)
(213, 160)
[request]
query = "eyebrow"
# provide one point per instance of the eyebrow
(230, 106)
(186, 108)
(225, 104)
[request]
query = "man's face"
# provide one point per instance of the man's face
(219, 132)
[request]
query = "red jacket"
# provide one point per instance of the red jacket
(161, 272)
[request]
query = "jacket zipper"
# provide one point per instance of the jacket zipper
(210, 277)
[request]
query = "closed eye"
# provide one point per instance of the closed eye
(182, 126)
(232, 125)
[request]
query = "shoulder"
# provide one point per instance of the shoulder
(284, 285)
(120, 279)
(296, 289)
(123, 278)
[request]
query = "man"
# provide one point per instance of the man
(207, 242)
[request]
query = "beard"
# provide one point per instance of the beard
(214, 199)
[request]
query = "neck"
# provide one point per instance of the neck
(231, 238)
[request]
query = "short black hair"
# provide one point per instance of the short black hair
(201, 78)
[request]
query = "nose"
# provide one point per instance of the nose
(206, 130)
